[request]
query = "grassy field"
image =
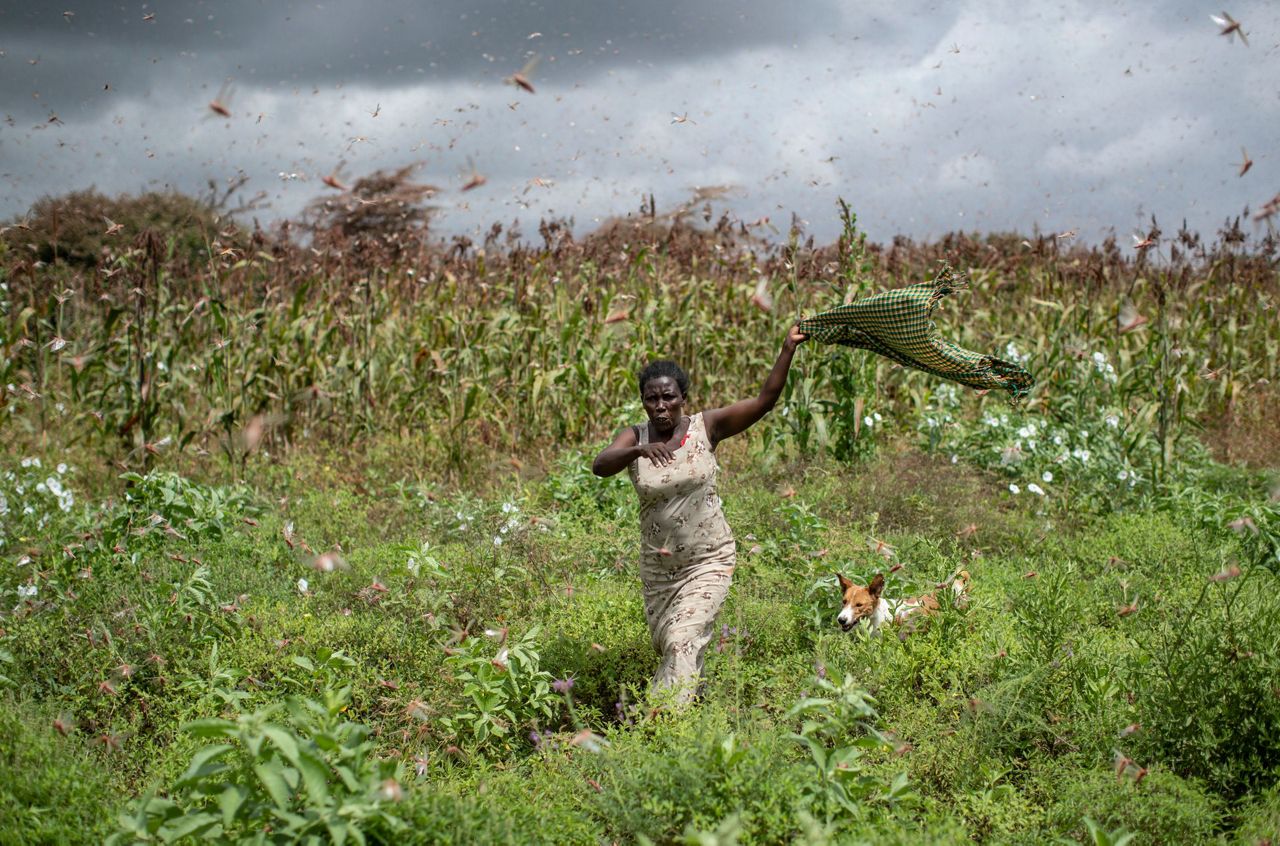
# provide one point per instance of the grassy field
(316, 556)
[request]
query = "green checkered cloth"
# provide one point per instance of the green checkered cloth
(898, 324)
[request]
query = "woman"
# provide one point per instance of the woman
(687, 549)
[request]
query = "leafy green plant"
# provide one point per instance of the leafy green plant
(1163, 808)
(314, 776)
(681, 774)
(163, 503)
(51, 791)
(217, 686)
(579, 491)
(840, 783)
(1204, 680)
(189, 604)
(501, 692)
(1099, 836)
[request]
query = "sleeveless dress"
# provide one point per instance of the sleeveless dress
(687, 556)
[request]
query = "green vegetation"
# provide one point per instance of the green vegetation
(297, 550)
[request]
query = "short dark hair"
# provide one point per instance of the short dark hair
(658, 369)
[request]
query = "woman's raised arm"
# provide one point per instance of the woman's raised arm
(726, 422)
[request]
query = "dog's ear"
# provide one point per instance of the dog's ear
(876, 586)
(845, 584)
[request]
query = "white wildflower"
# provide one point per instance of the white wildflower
(868, 422)
(497, 541)
(1014, 489)
(1112, 421)
(877, 416)
(1035, 489)
(302, 585)
(954, 458)
(62, 468)
(27, 591)
(1046, 476)
(1122, 475)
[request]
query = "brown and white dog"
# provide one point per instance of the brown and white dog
(868, 603)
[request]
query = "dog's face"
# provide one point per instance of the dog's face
(859, 602)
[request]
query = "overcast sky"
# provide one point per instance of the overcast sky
(981, 116)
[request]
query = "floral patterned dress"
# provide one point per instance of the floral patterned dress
(687, 555)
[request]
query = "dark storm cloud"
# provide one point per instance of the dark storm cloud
(393, 43)
(982, 115)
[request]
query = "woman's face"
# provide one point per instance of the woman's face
(663, 402)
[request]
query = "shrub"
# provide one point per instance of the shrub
(165, 503)
(581, 493)
(1259, 819)
(52, 788)
(313, 777)
(599, 638)
(689, 770)
(502, 693)
(1204, 678)
(1162, 808)
(74, 227)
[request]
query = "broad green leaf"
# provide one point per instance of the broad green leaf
(315, 776)
(230, 801)
(283, 741)
(272, 778)
(253, 741)
(337, 831)
(202, 764)
(211, 728)
(348, 778)
(191, 824)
